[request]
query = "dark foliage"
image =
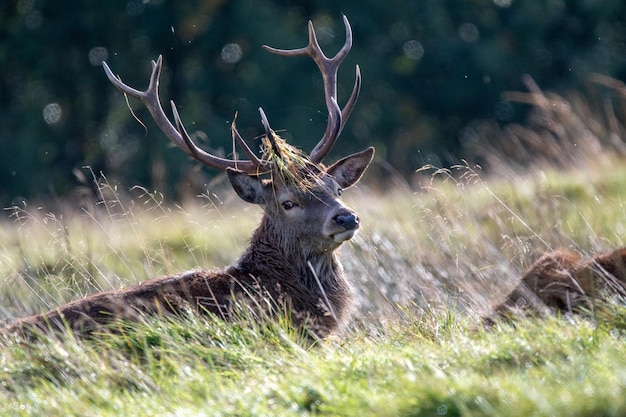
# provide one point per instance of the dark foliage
(429, 68)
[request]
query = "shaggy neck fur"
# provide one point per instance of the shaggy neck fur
(300, 271)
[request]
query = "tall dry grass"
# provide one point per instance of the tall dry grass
(562, 131)
(458, 241)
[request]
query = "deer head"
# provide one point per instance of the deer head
(299, 195)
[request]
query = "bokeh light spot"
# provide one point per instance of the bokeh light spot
(52, 113)
(97, 55)
(468, 32)
(413, 50)
(503, 3)
(231, 53)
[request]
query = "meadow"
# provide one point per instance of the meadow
(432, 257)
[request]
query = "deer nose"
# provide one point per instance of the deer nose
(347, 221)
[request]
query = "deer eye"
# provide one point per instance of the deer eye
(339, 192)
(287, 205)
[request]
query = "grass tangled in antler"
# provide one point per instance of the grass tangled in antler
(291, 164)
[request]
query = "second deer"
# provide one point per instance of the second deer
(566, 282)
(291, 266)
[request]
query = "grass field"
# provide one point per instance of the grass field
(425, 266)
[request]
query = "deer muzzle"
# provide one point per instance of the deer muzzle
(349, 222)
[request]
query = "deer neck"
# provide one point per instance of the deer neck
(275, 261)
(273, 252)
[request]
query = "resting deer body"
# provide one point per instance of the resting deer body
(565, 281)
(290, 265)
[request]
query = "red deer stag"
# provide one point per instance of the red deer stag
(291, 265)
(566, 282)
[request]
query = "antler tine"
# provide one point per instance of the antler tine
(195, 152)
(328, 67)
(270, 134)
(178, 135)
(253, 158)
(345, 113)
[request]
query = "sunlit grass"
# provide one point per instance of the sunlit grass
(436, 365)
(425, 266)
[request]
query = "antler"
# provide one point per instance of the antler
(328, 68)
(178, 135)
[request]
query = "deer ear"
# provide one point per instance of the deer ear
(347, 171)
(248, 187)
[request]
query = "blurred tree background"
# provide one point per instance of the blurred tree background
(430, 67)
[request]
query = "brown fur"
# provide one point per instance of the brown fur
(289, 268)
(566, 282)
